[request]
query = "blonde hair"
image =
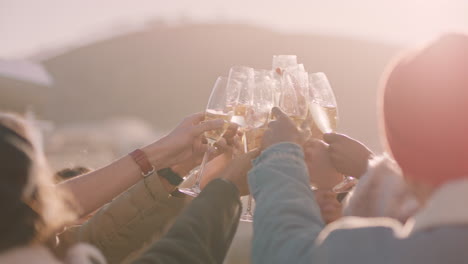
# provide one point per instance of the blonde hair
(52, 207)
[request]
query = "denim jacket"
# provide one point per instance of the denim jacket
(288, 227)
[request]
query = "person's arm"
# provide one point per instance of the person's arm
(287, 223)
(324, 177)
(93, 190)
(203, 232)
(287, 220)
(348, 155)
(135, 217)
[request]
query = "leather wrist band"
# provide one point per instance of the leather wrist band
(142, 160)
(172, 177)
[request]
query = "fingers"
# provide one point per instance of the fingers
(317, 154)
(196, 118)
(199, 145)
(280, 115)
(207, 126)
(231, 130)
(273, 124)
(333, 149)
(332, 137)
(311, 142)
(223, 146)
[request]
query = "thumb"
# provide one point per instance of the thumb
(279, 114)
(222, 145)
(331, 137)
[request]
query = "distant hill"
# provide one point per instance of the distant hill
(166, 72)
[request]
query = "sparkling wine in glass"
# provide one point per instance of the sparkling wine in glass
(216, 109)
(294, 94)
(323, 116)
(239, 97)
(256, 121)
(323, 111)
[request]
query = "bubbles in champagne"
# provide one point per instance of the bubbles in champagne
(240, 112)
(253, 138)
(324, 118)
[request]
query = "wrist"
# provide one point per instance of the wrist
(157, 155)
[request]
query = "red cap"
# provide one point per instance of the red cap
(425, 111)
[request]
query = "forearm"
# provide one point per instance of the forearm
(203, 232)
(287, 219)
(138, 216)
(94, 189)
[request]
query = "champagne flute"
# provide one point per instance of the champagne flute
(281, 62)
(216, 109)
(294, 94)
(323, 116)
(256, 121)
(239, 92)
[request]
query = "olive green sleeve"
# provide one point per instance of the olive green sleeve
(134, 218)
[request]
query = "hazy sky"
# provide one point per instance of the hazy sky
(27, 26)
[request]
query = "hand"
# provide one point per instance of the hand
(215, 166)
(330, 208)
(236, 171)
(228, 144)
(225, 146)
(282, 129)
(321, 171)
(348, 156)
(185, 141)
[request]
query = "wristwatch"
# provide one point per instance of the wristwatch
(172, 177)
(142, 161)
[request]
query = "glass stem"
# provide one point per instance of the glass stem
(198, 177)
(249, 205)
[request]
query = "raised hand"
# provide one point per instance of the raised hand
(225, 146)
(348, 155)
(321, 171)
(282, 129)
(215, 166)
(185, 141)
(236, 171)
